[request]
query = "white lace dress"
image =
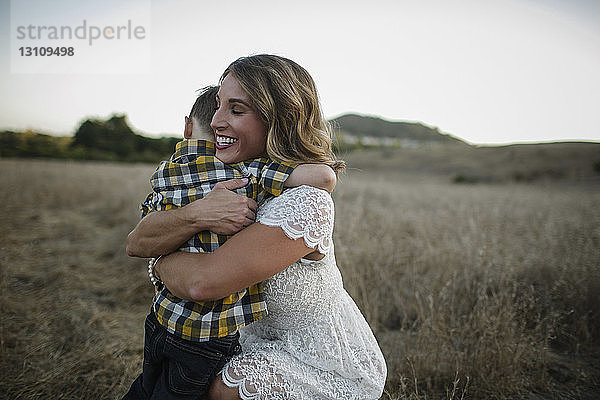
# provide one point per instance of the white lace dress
(314, 343)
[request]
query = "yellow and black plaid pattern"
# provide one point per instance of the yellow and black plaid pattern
(190, 174)
(201, 321)
(193, 171)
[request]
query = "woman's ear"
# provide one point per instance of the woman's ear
(189, 126)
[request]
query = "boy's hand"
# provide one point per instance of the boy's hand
(223, 211)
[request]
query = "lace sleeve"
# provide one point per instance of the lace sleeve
(302, 212)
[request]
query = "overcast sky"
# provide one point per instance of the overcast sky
(499, 71)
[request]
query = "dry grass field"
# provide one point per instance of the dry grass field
(487, 291)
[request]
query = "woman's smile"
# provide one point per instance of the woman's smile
(224, 142)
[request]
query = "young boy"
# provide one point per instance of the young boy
(187, 343)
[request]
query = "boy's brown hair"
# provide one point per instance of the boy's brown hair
(204, 108)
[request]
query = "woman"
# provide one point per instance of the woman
(314, 343)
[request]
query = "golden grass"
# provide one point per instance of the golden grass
(476, 283)
(485, 291)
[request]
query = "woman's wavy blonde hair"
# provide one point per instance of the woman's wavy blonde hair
(285, 98)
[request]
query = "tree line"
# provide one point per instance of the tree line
(95, 139)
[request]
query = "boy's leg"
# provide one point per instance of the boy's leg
(189, 367)
(154, 338)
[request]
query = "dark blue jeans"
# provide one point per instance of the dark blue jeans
(179, 369)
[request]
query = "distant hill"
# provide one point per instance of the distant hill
(376, 130)
(544, 162)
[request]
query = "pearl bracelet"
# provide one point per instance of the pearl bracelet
(155, 280)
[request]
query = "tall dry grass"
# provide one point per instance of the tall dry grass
(71, 300)
(487, 291)
(475, 289)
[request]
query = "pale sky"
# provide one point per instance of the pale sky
(486, 71)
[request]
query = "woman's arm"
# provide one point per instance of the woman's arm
(320, 176)
(251, 256)
(221, 211)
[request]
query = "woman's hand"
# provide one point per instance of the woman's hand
(221, 211)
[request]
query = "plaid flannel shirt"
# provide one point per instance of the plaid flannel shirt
(190, 174)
